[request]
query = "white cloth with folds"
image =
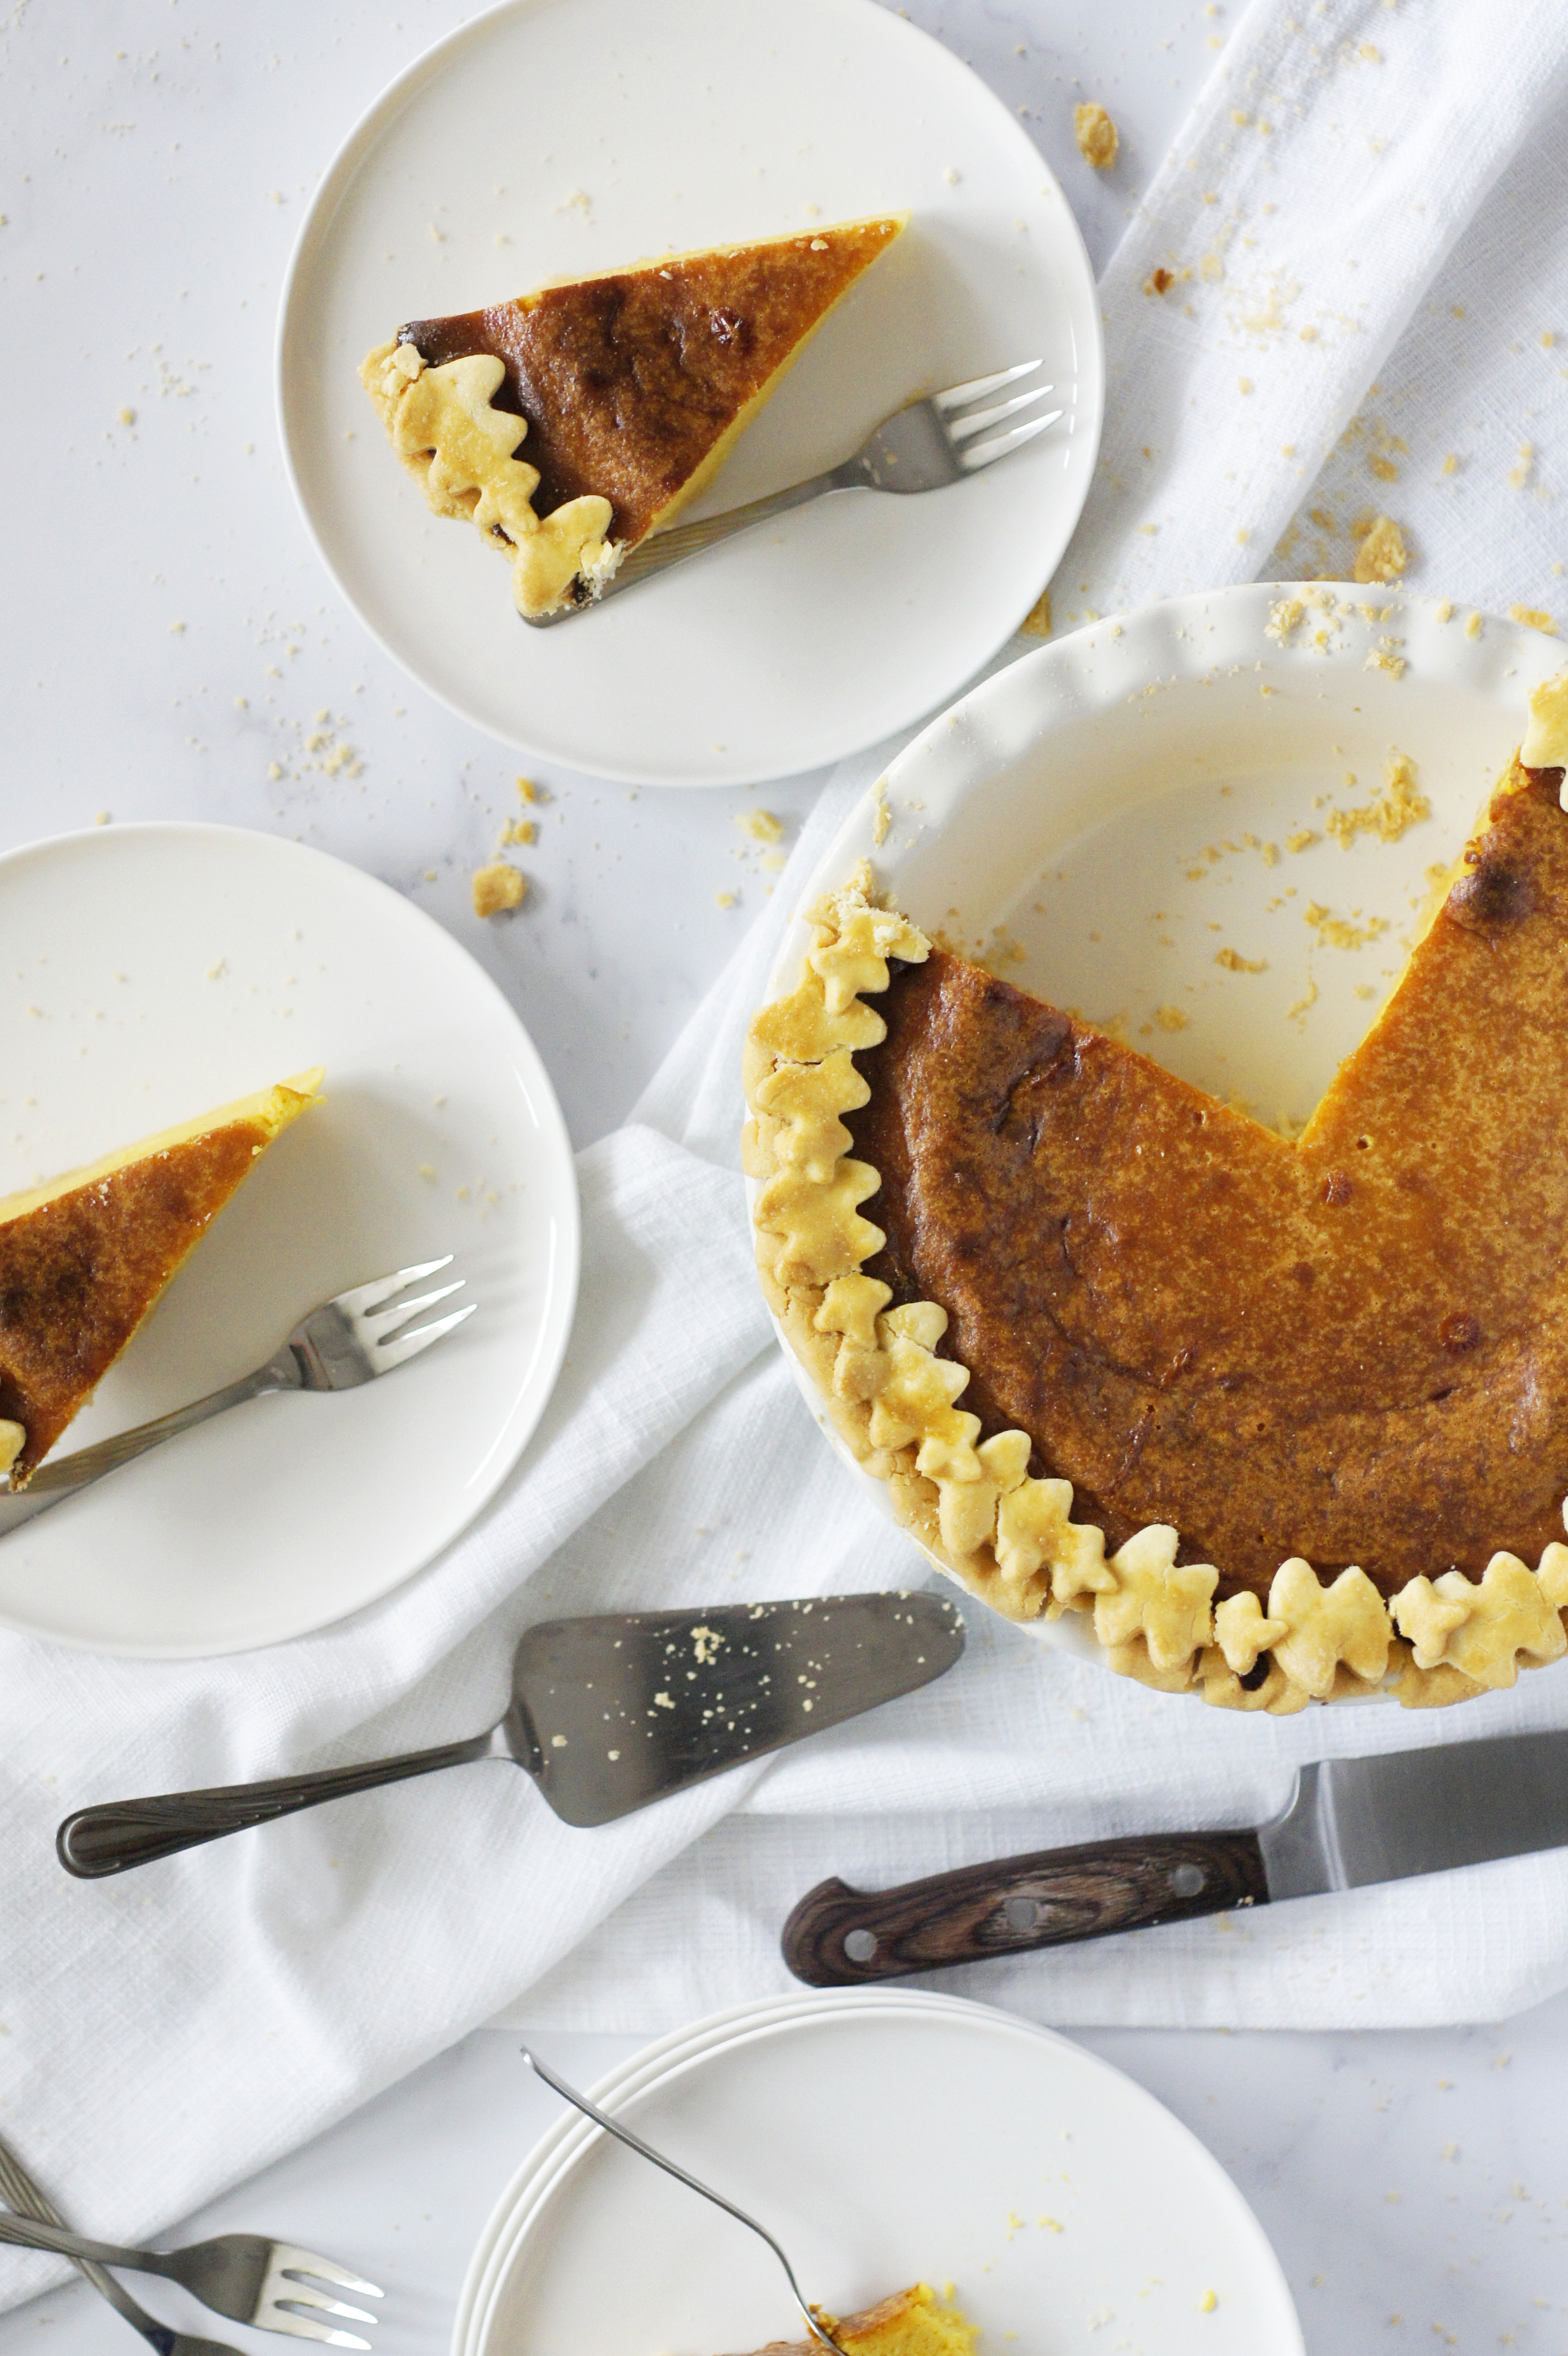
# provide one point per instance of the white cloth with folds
(1363, 193)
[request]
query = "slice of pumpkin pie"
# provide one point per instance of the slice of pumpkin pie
(1285, 1416)
(913, 2322)
(572, 423)
(84, 1257)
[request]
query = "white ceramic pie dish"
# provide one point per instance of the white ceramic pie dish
(885, 2136)
(1097, 821)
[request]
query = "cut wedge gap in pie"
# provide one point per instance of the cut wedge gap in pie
(913, 2322)
(572, 423)
(85, 1257)
(1289, 1419)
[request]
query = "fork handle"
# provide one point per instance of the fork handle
(19, 2192)
(124, 1833)
(55, 1482)
(32, 2234)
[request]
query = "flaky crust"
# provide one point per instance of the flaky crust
(971, 1503)
(460, 450)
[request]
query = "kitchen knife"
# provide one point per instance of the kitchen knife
(607, 1715)
(1350, 1822)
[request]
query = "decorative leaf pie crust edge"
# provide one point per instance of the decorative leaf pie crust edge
(459, 449)
(971, 1503)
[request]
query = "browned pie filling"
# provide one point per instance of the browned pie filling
(83, 1259)
(1353, 1348)
(629, 380)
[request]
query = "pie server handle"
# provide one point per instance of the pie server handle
(840, 1937)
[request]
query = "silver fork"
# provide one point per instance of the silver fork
(348, 1341)
(19, 2192)
(931, 444)
(242, 2275)
(812, 2315)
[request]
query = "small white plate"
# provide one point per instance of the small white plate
(1106, 818)
(886, 2138)
(560, 137)
(149, 972)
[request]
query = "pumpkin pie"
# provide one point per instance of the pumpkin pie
(84, 1257)
(572, 423)
(1288, 1418)
(911, 2323)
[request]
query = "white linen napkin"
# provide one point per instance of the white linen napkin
(166, 2034)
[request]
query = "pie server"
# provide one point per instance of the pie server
(1350, 1822)
(606, 1715)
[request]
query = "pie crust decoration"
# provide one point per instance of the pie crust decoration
(572, 423)
(1288, 1420)
(84, 1257)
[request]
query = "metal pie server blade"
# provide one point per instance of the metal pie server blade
(610, 1714)
(1350, 1822)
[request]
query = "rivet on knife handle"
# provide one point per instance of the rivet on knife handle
(840, 1937)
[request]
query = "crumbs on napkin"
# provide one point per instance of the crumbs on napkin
(1383, 554)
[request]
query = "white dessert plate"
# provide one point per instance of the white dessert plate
(149, 972)
(886, 2138)
(562, 137)
(1139, 822)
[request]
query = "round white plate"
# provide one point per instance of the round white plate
(562, 137)
(1105, 819)
(885, 2138)
(148, 972)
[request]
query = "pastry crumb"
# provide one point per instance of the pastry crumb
(498, 888)
(1234, 962)
(883, 817)
(1096, 134)
(1284, 616)
(1473, 626)
(1382, 555)
(1533, 619)
(724, 899)
(527, 791)
(518, 829)
(1036, 622)
(1171, 1017)
(1400, 805)
(1337, 931)
(761, 825)
(1209, 2301)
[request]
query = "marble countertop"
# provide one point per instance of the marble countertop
(173, 650)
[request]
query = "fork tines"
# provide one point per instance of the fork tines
(963, 423)
(289, 2301)
(383, 1317)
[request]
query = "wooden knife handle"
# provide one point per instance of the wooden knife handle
(840, 1937)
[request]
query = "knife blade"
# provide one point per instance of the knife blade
(1348, 1823)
